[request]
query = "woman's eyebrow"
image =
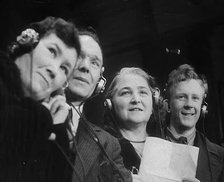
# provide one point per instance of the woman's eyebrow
(58, 48)
(143, 87)
(125, 88)
(68, 63)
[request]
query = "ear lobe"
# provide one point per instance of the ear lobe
(156, 95)
(65, 85)
(204, 108)
(108, 104)
(100, 87)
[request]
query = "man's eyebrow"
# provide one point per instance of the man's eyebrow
(98, 60)
(93, 56)
(197, 95)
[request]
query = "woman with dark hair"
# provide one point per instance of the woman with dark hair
(48, 49)
(33, 72)
(130, 100)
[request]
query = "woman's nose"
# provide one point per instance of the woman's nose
(135, 98)
(51, 72)
(53, 69)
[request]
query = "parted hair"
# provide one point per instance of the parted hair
(130, 70)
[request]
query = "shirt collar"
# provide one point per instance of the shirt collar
(175, 138)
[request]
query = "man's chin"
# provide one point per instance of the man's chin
(188, 125)
(80, 92)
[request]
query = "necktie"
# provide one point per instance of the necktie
(182, 140)
(72, 126)
(171, 137)
(69, 129)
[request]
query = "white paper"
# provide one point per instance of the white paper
(164, 161)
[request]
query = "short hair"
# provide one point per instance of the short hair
(111, 124)
(130, 70)
(65, 30)
(182, 73)
(91, 32)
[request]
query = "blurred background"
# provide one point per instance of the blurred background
(156, 35)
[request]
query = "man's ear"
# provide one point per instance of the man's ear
(102, 70)
(166, 105)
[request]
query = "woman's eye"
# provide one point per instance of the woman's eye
(143, 92)
(125, 93)
(181, 97)
(53, 51)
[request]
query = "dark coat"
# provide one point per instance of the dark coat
(210, 160)
(25, 126)
(95, 157)
(130, 156)
(210, 165)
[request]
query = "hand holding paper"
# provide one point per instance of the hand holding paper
(164, 161)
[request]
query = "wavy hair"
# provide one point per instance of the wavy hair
(110, 123)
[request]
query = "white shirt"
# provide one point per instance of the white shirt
(76, 112)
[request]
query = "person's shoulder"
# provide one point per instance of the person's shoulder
(99, 129)
(215, 146)
(215, 149)
(211, 146)
(101, 133)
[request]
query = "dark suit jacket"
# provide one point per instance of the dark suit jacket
(95, 157)
(210, 160)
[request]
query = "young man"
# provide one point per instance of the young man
(93, 154)
(186, 92)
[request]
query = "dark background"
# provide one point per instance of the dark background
(157, 35)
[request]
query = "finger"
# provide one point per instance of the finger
(55, 102)
(52, 137)
(46, 105)
(57, 97)
(56, 106)
(61, 115)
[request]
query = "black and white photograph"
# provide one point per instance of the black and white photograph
(112, 91)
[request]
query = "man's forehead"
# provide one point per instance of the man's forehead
(90, 47)
(192, 85)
